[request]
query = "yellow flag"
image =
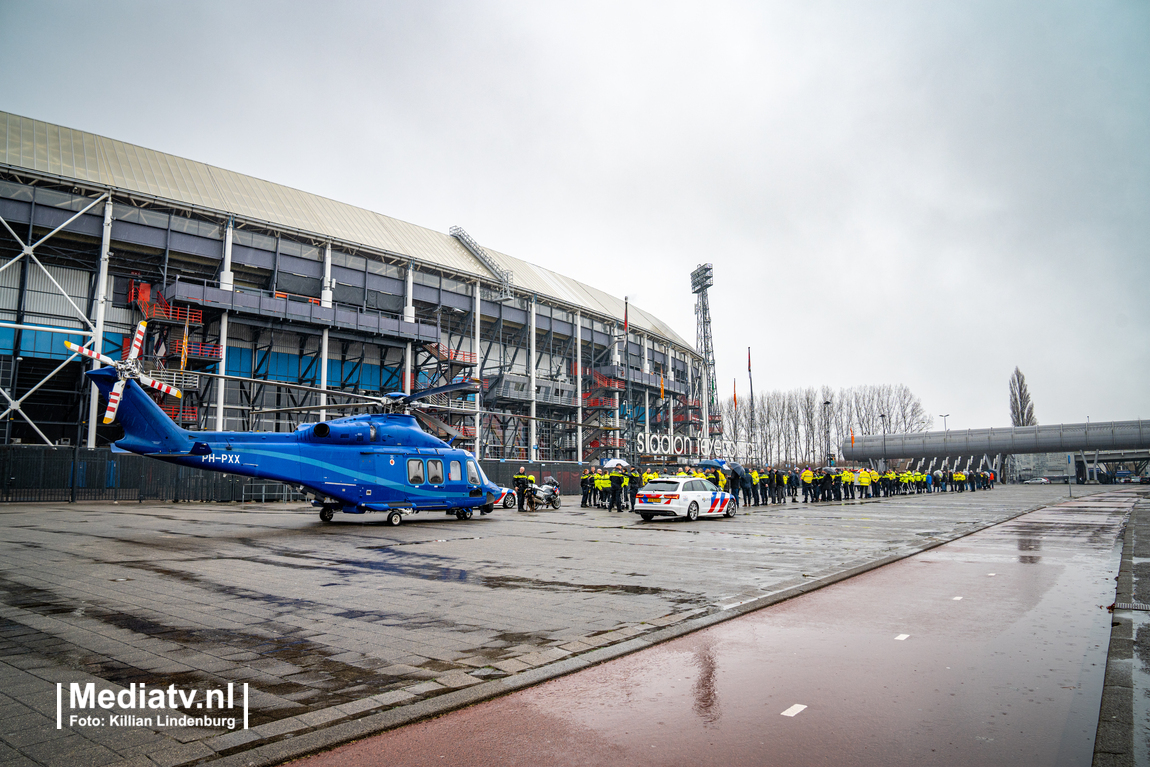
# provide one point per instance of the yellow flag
(184, 350)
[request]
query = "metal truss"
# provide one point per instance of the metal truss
(28, 256)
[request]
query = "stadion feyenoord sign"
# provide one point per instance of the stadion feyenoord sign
(665, 444)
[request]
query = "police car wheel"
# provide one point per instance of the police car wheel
(327, 513)
(731, 509)
(509, 501)
(693, 511)
(394, 518)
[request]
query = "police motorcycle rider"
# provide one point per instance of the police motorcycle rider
(521, 483)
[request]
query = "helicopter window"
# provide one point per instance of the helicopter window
(415, 471)
(472, 473)
(374, 432)
(435, 472)
(453, 473)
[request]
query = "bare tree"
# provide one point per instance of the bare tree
(791, 426)
(1021, 408)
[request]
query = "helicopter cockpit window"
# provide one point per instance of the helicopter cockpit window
(373, 432)
(472, 473)
(435, 472)
(415, 471)
(453, 472)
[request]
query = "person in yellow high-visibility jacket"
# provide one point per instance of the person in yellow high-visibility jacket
(848, 484)
(864, 484)
(807, 478)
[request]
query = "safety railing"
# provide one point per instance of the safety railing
(198, 350)
(604, 382)
(180, 412)
(447, 354)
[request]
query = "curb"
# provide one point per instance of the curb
(1114, 738)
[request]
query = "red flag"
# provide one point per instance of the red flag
(626, 323)
(735, 388)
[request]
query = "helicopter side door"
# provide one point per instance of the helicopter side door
(457, 488)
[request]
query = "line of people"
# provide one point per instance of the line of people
(832, 484)
(615, 489)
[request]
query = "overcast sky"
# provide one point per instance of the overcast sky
(918, 193)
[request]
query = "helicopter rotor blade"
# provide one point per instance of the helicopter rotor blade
(435, 423)
(470, 386)
(312, 408)
(370, 398)
(114, 400)
(90, 354)
(160, 385)
(138, 340)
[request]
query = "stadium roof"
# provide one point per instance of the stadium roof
(63, 152)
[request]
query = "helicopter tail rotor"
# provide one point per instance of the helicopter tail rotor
(126, 370)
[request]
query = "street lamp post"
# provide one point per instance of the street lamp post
(882, 417)
(944, 416)
(827, 425)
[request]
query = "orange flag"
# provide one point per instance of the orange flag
(735, 389)
(852, 436)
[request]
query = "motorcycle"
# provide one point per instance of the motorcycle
(545, 495)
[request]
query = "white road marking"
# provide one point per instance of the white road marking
(902, 637)
(990, 575)
(793, 710)
(956, 599)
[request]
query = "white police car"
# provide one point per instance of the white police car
(688, 497)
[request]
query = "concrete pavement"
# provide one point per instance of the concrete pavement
(345, 629)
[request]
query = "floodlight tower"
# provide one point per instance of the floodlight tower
(702, 278)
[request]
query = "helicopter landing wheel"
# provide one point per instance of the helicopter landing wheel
(394, 518)
(327, 513)
(465, 514)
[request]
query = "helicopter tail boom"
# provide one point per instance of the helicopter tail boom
(147, 428)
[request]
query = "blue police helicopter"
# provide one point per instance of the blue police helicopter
(374, 462)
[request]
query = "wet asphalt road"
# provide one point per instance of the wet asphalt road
(989, 650)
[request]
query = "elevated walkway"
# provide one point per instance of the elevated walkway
(1055, 438)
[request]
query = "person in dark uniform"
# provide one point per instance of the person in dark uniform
(616, 502)
(634, 482)
(521, 483)
(585, 485)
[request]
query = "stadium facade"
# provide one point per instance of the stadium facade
(275, 285)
